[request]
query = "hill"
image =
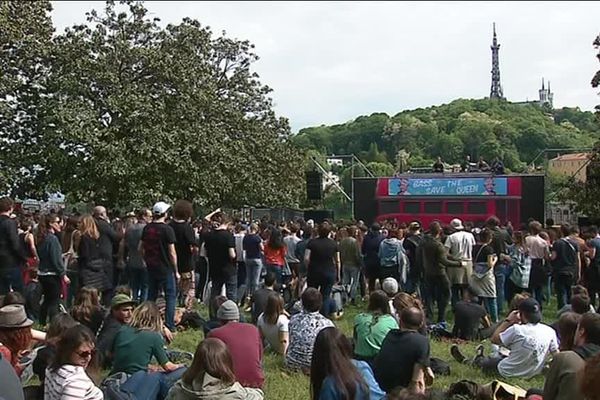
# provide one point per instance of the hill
(484, 127)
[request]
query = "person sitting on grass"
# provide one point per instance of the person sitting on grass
(334, 375)
(259, 299)
(469, 316)
(121, 308)
(304, 328)
(404, 300)
(87, 309)
(244, 344)
(15, 334)
(528, 340)
(211, 376)
(566, 328)
(589, 384)
(404, 357)
(371, 328)
(561, 378)
(390, 287)
(273, 324)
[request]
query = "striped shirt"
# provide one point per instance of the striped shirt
(70, 382)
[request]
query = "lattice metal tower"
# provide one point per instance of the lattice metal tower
(496, 89)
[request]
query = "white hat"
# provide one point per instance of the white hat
(457, 224)
(390, 286)
(160, 208)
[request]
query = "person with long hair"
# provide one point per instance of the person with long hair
(275, 251)
(70, 244)
(273, 324)
(27, 242)
(15, 334)
(95, 270)
(185, 246)
(87, 309)
(211, 376)
(483, 279)
(67, 377)
(371, 328)
(566, 329)
(51, 268)
(133, 349)
(333, 373)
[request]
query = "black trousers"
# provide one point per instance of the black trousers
(438, 290)
(51, 292)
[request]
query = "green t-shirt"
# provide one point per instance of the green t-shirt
(133, 349)
(369, 333)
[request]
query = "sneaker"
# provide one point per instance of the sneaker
(456, 353)
(479, 351)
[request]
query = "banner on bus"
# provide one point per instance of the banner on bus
(488, 186)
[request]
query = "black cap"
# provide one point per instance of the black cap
(532, 310)
(375, 227)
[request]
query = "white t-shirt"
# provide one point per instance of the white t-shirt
(529, 345)
(271, 332)
(239, 247)
(70, 382)
(460, 244)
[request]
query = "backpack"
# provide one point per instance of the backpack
(111, 387)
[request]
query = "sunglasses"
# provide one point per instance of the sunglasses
(86, 354)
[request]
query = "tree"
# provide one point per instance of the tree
(25, 48)
(142, 113)
(596, 78)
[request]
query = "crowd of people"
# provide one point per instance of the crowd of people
(109, 295)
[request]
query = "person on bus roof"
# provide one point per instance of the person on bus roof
(438, 166)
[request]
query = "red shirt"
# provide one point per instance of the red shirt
(244, 345)
(275, 256)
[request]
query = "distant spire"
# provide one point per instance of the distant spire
(496, 88)
(548, 86)
(542, 83)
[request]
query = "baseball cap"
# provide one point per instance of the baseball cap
(160, 208)
(532, 310)
(390, 286)
(457, 224)
(121, 299)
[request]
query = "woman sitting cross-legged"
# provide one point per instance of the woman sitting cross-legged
(67, 376)
(334, 375)
(370, 328)
(133, 349)
(211, 376)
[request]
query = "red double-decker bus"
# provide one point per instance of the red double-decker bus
(471, 197)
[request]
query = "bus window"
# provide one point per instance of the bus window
(389, 206)
(455, 208)
(412, 207)
(433, 207)
(477, 207)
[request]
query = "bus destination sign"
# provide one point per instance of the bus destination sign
(488, 186)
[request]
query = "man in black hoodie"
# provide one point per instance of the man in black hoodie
(370, 251)
(10, 253)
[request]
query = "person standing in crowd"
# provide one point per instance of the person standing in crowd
(51, 269)
(591, 274)
(70, 244)
(304, 328)
(10, 255)
(334, 375)
(253, 248)
(307, 235)
(323, 259)
(244, 344)
(351, 263)
(238, 235)
(275, 251)
(566, 264)
(158, 249)
(371, 328)
(28, 249)
(108, 239)
(95, 269)
(370, 251)
(415, 273)
(435, 262)
(120, 314)
(185, 247)
(528, 340)
(483, 280)
(211, 376)
(460, 245)
(404, 356)
(220, 251)
(67, 376)
(500, 240)
(136, 266)
(539, 251)
(291, 239)
(391, 257)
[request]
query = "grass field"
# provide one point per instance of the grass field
(282, 384)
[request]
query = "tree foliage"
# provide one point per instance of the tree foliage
(137, 112)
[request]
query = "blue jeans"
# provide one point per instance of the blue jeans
(351, 276)
(151, 385)
(277, 270)
(139, 283)
(491, 306)
(5, 278)
(253, 268)
(168, 285)
(562, 286)
(501, 272)
(11, 278)
(230, 282)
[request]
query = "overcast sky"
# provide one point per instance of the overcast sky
(329, 62)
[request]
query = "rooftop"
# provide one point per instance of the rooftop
(572, 157)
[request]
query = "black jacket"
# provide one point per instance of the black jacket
(109, 239)
(10, 249)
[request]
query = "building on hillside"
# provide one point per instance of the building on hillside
(562, 213)
(570, 165)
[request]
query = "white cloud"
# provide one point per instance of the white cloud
(329, 62)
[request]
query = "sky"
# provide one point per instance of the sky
(330, 62)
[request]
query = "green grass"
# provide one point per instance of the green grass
(283, 384)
